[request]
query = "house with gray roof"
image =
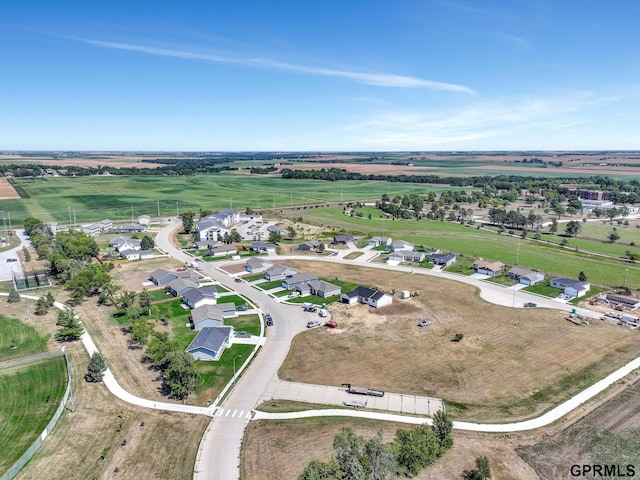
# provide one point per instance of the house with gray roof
(442, 259)
(133, 227)
(367, 296)
(200, 296)
(257, 265)
(162, 276)
(263, 247)
(223, 250)
(180, 286)
(407, 256)
(131, 254)
(570, 287)
(210, 342)
(324, 289)
(342, 239)
(125, 243)
(379, 241)
(279, 272)
(309, 245)
(212, 315)
(525, 276)
(298, 279)
(401, 245)
(274, 228)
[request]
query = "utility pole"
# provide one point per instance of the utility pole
(158, 202)
(131, 213)
(70, 215)
(9, 217)
(518, 253)
(177, 210)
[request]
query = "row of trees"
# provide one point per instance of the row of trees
(359, 459)
(179, 371)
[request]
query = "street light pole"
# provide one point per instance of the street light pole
(234, 364)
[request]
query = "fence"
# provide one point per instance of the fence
(26, 456)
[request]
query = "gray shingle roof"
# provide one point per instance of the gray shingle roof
(210, 338)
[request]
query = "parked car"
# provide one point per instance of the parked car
(238, 280)
(242, 335)
(530, 304)
(424, 323)
(313, 324)
(12, 259)
(269, 322)
(181, 269)
(241, 308)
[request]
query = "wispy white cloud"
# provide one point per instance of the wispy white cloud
(379, 79)
(513, 39)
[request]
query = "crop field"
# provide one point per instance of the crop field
(607, 436)
(18, 339)
(509, 364)
(453, 237)
(94, 198)
(30, 396)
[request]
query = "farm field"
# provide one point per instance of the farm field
(468, 240)
(30, 396)
(607, 436)
(508, 366)
(94, 198)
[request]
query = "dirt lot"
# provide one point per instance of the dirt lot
(510, 364)
(608, 435)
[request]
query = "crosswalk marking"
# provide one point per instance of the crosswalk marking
(228, 412)
(234, 413)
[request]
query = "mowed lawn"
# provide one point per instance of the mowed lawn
(18, 339)
(550, 258)
(511, 363)
(94, 198)
(30, 396)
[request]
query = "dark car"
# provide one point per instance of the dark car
(241, 308)
(269, 322)
(238, 280)
(530, 304)
(242, 335)
(12, 259)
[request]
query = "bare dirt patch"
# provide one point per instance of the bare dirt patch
(7, 191)
(510, 364)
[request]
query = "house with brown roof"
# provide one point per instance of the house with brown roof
(488, 268)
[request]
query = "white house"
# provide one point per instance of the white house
(197, 297)
(525, 276)
(379, 241)
(367, 296)
(570, 287)
(401, 245)
(212, 315)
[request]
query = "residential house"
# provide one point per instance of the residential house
(342, 239)
(257, 265)
(263, 247)
(131, 254)
(214, 226)
(401, 245)
(274, 228)
(125, 243)
(310, 245)
(407, 256)
(367, 296)
(298, 279)
(133, 227)
(95, 229)
(279, 272)
(324, 289)
(144, 220)
(208, 315)
(379, 241)
(525, 276)
(197, 297)
(210, 342)
(180, 286)
(442, 259)
(162, 276)
(223, 250)
(488, 268)
(570, 287)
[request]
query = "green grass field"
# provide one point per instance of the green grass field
(216, 375)
(270, 285)
(30, 396)
(18, 339)
(94, 198)
(245, 323)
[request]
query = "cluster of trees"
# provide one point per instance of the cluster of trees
(406, 206)
(514, 219)
(178, 369)
(69, 256)
(44, 303)
(359, 459)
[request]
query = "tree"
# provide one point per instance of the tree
(147, 243)
(159, 349)
(481, 472)
(96, 368)
(235, 237)
(321, 247)
(187, 221)
(42, 306)
(553, 227)
(275, 236)
(141, 328)
(317, 470)
(613, 235)
(70, 326)
(573, 228)
(126, 299)
(14, 296)
(349, 448)
(181, 375)
(292, 232)
(442, 426)
(582, 276)
(144, 300)
(415, 449)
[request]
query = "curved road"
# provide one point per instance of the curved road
(219, 451)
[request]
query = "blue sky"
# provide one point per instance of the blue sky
(334, 75)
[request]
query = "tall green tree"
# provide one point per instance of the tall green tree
(613, 235)
(187, 221)
(96, 368)
(70, 326)
(573, 228)
(141, 329)
(416, 449)
(292, 232)
(442, 427)
(317, 470)
(42, 306)
(181, 375)
(275, 237)
(147, 243)
(144, 300)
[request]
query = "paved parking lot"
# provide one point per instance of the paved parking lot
(253, 229)
(392, 402)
